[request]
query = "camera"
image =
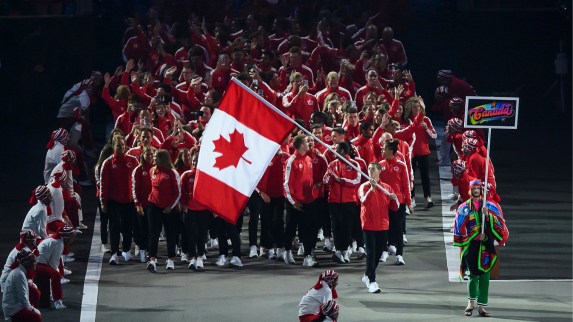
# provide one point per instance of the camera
(196, 115)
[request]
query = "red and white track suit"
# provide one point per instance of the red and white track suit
(298, 180)
(342, 191)
(395, 174)
(374, 205)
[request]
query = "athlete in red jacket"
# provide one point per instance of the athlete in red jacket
(271, 190)
(421, 148)
(116, 198)
(140, 190)
(298, 183)
(363, 142)
(343, 181)
(395, 174)
(164, 197)
(375, 221)
(298, 103)
(195, 219)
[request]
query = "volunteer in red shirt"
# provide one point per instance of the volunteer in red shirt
(375, 221)
(116, 198)
(343, 181)
(363, 142)
(140, 189)
(298, 103)
(298, 184)
(271, 190)
(195, 218)
(164, 196)
(394, 173)
(332, 87)
(421, 148)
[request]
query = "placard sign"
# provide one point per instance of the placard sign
(491, 112)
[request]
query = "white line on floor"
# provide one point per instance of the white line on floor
(93, 271)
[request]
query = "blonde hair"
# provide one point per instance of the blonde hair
(122, 92)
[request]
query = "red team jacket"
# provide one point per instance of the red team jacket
(395, 174)
(298, 180)
(345, 190)
(115, 178)
(374, 207)
(165, 190)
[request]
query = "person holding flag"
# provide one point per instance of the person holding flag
(476, 227)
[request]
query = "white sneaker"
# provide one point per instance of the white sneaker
(214, 243)
(67, 259)
(338, 257)
(199, 264)
(113, 260)
(253, 253)
(309, 262)
(300, 251)
(169, 264)
(429, 203)
(59, 305)
(236, 262)
(391, 250)
(82, 226)
(384, 256)
(280, 253)
(361, 253)
(184, 258)
(77, 232)
(67, 271)
(136, 250)
(413, 203)
(400, 260)
(142, 256)
(71, 254)
(453, 196)
(152, 266)
(354, 246)
(262, 251)
(347, 256)
(204, 257)
(327, 245)
(105, 248)
(126, 256)
(272, 254)
(374, 288)
(222, 261)
(288, 258)
(64, 280)
(404, 238)
(366, 280)
(192, 264)
(320, 235)
(177, 250)
(349, 250)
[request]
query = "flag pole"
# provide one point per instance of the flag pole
(307, 132)
(486, 176)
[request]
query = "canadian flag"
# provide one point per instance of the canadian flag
(238, 143)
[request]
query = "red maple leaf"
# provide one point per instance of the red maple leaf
(232, 151)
